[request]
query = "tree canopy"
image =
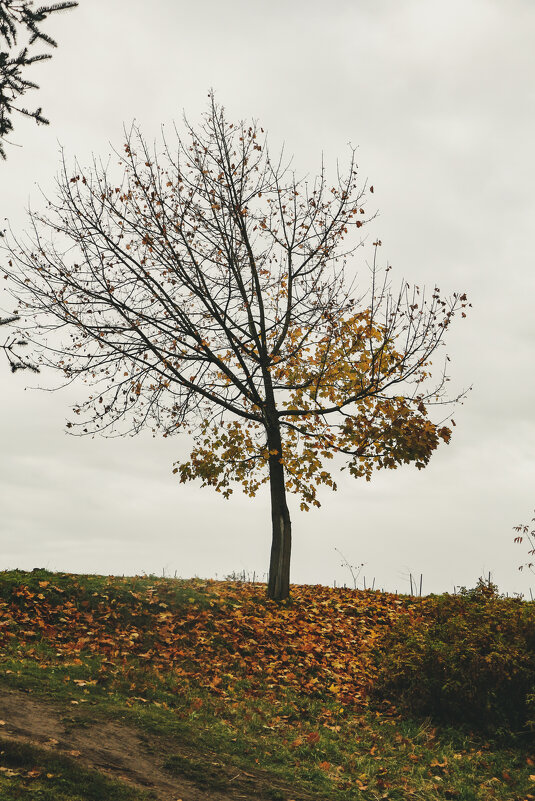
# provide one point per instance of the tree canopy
(209, 290)
(17, 16)
(16, 361)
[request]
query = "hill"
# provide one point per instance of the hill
(140, 687)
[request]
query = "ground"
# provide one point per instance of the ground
(115, 750)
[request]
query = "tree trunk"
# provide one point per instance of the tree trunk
(279, 566)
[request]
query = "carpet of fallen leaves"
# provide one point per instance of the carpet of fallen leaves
(319, 643)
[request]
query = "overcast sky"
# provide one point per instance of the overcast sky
(440, 99)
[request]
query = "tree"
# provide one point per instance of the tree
(15, 15)
(16, 362)
(207, 291)
(523, 531)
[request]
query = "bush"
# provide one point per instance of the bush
(469, 658)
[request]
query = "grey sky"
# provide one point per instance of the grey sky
(440, 99)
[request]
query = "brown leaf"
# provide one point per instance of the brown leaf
(33, 774)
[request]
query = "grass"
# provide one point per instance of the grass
(223, 683)
(31, 774)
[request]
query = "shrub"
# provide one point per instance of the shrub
(469, 658)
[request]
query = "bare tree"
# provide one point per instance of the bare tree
(209, 290)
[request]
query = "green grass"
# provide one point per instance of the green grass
(285, 743)
(31, 774)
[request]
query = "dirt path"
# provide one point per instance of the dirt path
(114, 749)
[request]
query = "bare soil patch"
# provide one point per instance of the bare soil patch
(118, 751)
